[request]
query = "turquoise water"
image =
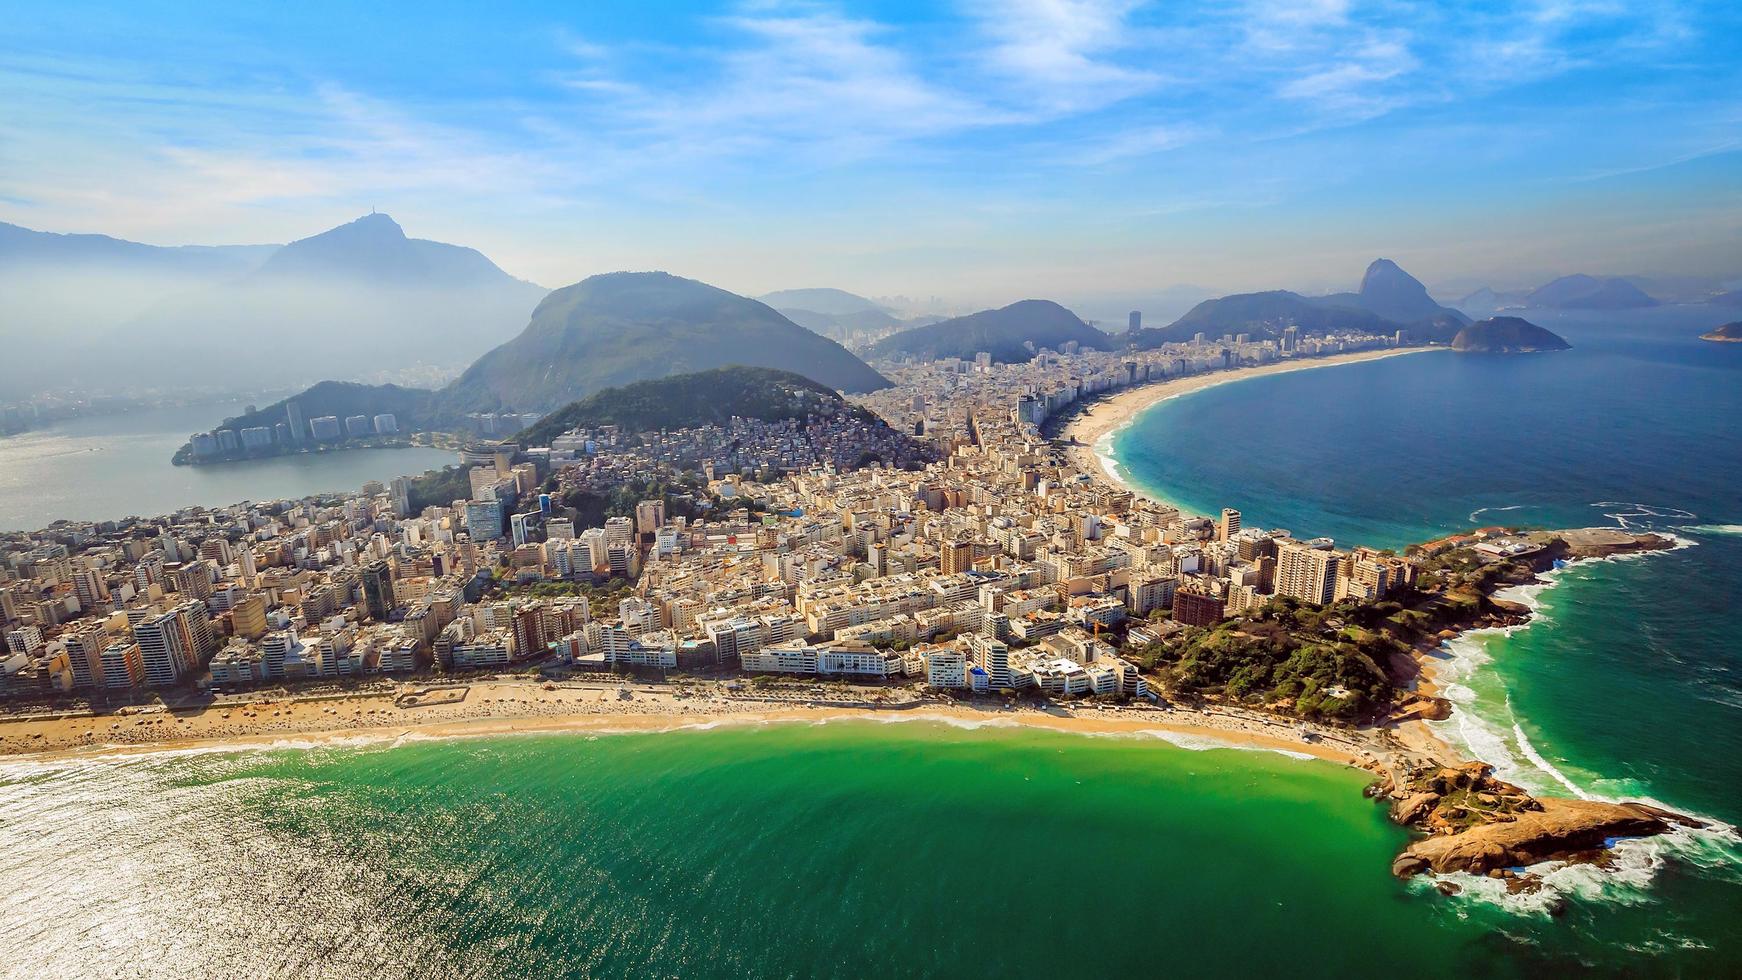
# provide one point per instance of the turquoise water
(850, 849)
(1629, 682)
(118, 466)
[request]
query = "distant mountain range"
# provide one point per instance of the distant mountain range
(105, 312)
(1388, 300)
(839, 315)
(1507, 335)
(346, 300)
(1011, 334)
(1586, 292)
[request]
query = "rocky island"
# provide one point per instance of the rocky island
(1507, 335)
(1729, 333)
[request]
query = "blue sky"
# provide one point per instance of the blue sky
(981, 151)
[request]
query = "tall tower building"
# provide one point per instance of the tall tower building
(298, 425)
(1307, 573)
(1229, 525)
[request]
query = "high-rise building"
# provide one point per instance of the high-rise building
(248, 617)
(294, 420)
(957, 556)
(325, 428)
(386, 424)
(1229, 525)
(123, 665)
(165, 647)
(992, 656)
(1196, 609)
(377, 579)
(1306, 572)
(1135, 321)
(649, 515)
(484, 519)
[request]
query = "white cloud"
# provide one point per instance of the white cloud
(1065, 56)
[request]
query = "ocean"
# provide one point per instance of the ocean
(1628, 683)
(849, 849)
(918, 849)
(114, 466)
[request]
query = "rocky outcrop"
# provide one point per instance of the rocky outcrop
(1558, 830)
(1482, 825)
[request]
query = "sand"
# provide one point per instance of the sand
(1111, 412)
(504, 706)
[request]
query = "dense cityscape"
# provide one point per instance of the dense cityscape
(982, 558)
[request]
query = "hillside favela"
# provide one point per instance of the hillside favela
(1077, 488)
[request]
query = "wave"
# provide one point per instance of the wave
(1729, 530)
(1478, 512)
(1205, 743)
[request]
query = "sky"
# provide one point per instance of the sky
(976, 150)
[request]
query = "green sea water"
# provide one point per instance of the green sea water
(847, 849)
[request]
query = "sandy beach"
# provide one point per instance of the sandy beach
(1102, 416)
(505, 706)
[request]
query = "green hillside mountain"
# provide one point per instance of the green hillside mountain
(1507, 335)
(1006, 333)
(622, 327)
(710, 397)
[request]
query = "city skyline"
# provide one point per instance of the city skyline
(978, 153)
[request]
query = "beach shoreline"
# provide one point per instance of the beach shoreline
(504, 707)
(1100, 416)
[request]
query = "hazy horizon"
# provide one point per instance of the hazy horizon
(980, 153)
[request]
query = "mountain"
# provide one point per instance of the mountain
(1507, 335)
(24, 247)
(1731, 298)
(1394, 294)
(1486, 301)
(341, 302)
(833, 302)
(702, 398)
(622, 327)
(60, 292)
(1005, 333)
(374, 249)
(1582, 292)
(1730, 333)
(1388, 300)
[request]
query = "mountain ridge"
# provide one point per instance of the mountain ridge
(1004, 333)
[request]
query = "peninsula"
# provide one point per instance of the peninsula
(1729, 333)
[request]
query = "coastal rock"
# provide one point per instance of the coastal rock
(1560, 829)
(1413, 808)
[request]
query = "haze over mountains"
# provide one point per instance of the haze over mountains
(105, 312)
